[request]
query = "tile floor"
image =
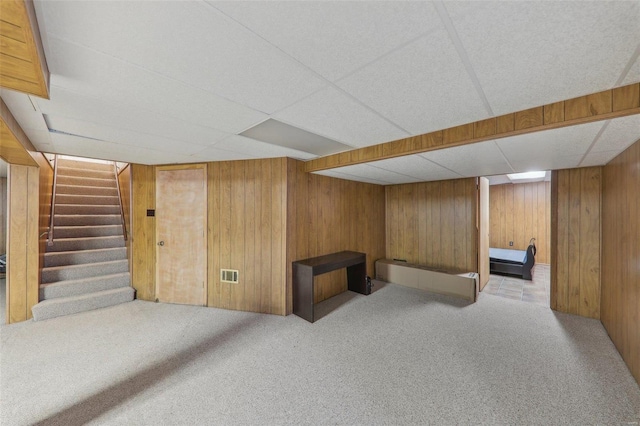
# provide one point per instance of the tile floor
(534, 291)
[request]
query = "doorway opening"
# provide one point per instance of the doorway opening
(520, 216)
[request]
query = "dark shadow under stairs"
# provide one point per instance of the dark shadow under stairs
(86, 267)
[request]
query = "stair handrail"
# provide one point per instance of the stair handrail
(53, 200)
(124, 226)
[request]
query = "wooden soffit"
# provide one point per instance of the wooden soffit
(22, 63)
(14, 143)
(613, 103)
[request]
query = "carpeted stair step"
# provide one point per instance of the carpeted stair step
(86, 190)
(87, 199)
(61, 258)
(89, 220)
(85, 165)
(89, 173)
(85, 270)
(52, 308)
(86, 209)
(87, 231)
(89, 243)
(82, 181)
(72, 288)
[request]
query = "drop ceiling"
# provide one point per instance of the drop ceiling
(179, 82)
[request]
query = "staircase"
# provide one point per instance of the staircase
(86, 267)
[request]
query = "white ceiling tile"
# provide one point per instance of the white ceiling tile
(549, 163)
(95, 75)
(212, 153)
(422, 87)
(618, 135)
(548, 145)
(333, 114)
(254, 148)
(633, 76)
(335, 38)
(191, 42)
(598, 158)
(530, 53)
(375, 173)
(416, 167)
(71, 105)
(346, 176)
(478, 159)
(121, 136)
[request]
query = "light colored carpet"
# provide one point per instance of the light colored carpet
(398, 356)
(3, 300)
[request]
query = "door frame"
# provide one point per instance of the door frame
(205, 236)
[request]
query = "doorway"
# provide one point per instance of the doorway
(181, 238)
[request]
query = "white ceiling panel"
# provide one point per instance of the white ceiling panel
(335, 38)
(373, 173)
(212, 153)
(633, 76)
(571, 141)
(530, 53)
(415, 167)
(121, 136)
(598, 158)
(547, 163)
(340, 175)
(333, 114)
(96, 75)
(192, 42)
(71, 105)
(422, 87)
(258, 149)
(618, 135)
(479, 159)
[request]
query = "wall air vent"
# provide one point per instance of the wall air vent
(228, 275)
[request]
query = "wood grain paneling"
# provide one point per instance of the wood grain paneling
(484, 230)
(143, 242)
(575, 233)
(620, 292)
(22, 241)
(124, 180)
(327, 215)
(45, 193)
(599, 106)
(3, 215)
(433, 224)
(247, 232)
(22, 62)
(15, 146)
(518, 213)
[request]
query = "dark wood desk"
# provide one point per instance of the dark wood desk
(305, 270)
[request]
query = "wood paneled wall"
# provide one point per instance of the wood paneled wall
(143, 230)
(620, 303)
(575, 241)
(3, 215)
(247, 232)
(433, 224)
(518, 213)
(45, 195)
(124, 180)
(327, 215)
(23, 207)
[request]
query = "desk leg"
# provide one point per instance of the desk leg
(357, 278)
(303, 292)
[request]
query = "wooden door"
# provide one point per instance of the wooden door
(181, 245)
(483, 231)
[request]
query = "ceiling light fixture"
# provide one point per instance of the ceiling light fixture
(526, 175)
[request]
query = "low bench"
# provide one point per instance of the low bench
(465, 285)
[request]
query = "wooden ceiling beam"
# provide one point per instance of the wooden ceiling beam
(15, 146)
(605, 105)
(23, 66)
